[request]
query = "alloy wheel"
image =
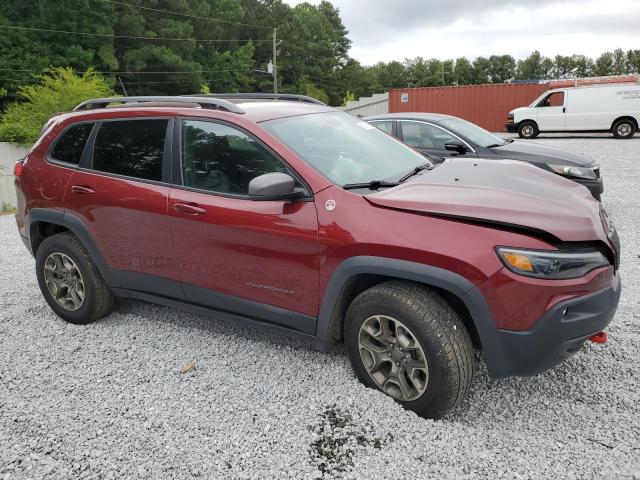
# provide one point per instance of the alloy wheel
(64, 281)
(393, 357)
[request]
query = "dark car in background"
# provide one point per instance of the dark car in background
(449, 136)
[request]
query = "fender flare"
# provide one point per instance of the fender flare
(79, 229)
(455, 284)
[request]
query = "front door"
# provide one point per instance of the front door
(551, 112)
(257, 258)
(121, 197)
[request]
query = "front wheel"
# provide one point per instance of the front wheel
(624, 128)
(528, 129)
(406, 341)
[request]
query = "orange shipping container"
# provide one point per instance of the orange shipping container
(485, 105)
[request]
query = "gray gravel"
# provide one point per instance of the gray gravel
(108, 400)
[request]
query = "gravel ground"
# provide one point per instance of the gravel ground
(108, 400)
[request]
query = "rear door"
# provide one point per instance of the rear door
(429, 138)
(256, 258)
(120, 193)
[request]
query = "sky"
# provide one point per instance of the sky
(385, 30)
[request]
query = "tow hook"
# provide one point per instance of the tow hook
(600, 337)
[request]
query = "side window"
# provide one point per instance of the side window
(555, 99)
(131, 147)
(222, 159)
(423, 135)
(386, 127)
(70, 145)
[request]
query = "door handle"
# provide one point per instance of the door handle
(564, 109)
(82, 190)
(189, 209)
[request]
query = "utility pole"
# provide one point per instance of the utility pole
(275, 55)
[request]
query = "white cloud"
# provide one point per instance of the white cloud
(384, 30)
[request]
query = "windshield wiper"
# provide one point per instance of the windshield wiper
(415, 171)
(372, 185)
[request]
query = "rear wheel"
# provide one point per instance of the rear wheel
(624, 128)
(528, 129)
(70, 281)
(406, 341)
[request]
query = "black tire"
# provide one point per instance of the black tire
(624, 128)
(437, 328)
(528, 129)
(98, 299)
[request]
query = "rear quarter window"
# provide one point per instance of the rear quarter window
(133, 148)
(70, 145)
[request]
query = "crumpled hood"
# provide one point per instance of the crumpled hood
(536, 153)
(508, 193)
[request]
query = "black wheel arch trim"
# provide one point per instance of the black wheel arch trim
(453, 283)
(78, 228)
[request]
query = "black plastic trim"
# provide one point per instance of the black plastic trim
(218, 314)
(248, 308)
(556, 336)
(420, 273)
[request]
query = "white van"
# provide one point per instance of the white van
(593, 108)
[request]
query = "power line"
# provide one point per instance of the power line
(188, 15)
(111, 35)
(124, 72)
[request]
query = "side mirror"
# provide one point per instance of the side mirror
(455, 146)
(273, 186)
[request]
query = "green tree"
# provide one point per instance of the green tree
(23, 52)
(314, 46)
(633, 61)
(481, 68)
(604, 65)
(463, 71)
(501, 68)
(59, 90)
(230, 71)
(620, 66)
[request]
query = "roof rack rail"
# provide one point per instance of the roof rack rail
(203, 102)
(260, 96)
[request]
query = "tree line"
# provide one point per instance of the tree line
(170, 47)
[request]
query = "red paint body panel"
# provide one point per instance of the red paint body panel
(484, 105)
(261, 251)
(128, 221)
(517, 302)
(355, 227)
(460, 188)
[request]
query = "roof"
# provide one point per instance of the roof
(433, 117)
(258, 111)
(252, 110)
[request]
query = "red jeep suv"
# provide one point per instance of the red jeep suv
(285, 213)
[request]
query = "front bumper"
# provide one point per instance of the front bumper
(559, 333)
(511, 127)
(596, 187)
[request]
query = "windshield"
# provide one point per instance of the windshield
(476, 134)
(344, 148)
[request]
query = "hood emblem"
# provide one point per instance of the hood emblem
(330, 204)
